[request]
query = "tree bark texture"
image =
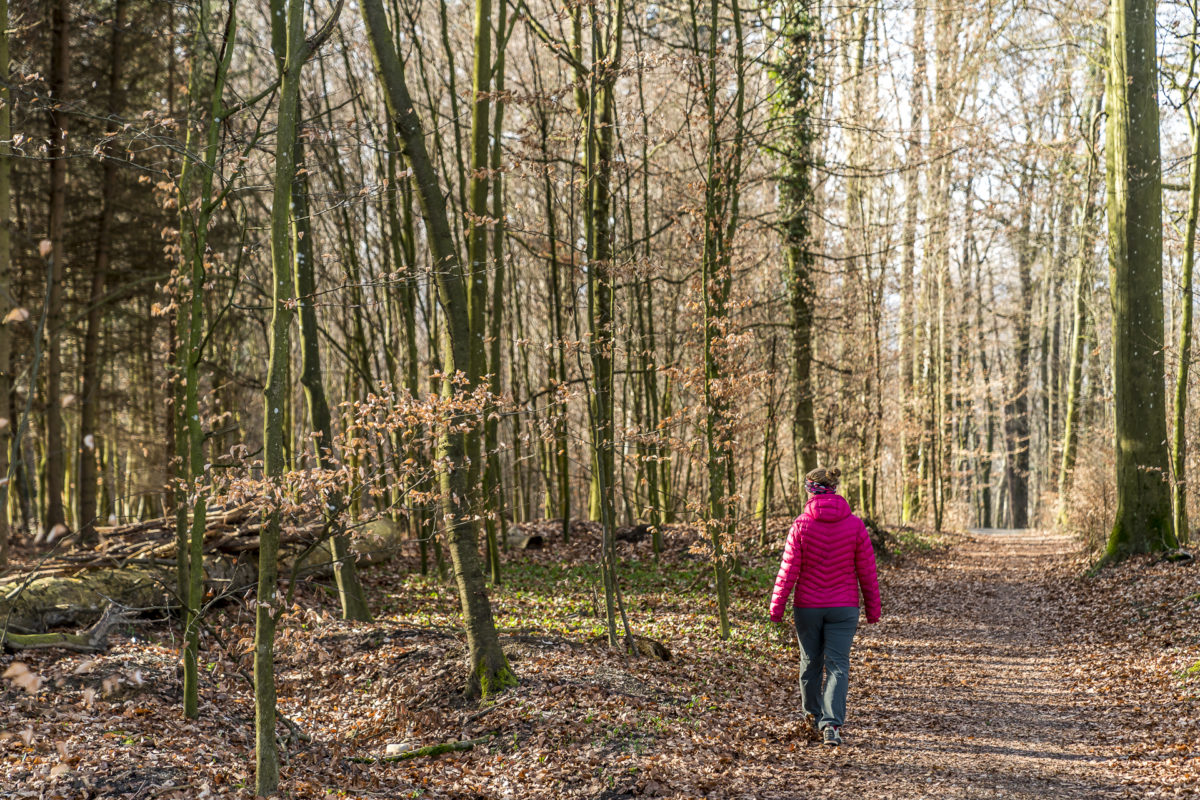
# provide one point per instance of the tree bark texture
(1143, 516)
(489, 670)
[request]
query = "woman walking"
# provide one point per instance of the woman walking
(828, 558)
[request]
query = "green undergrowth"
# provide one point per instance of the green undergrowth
(665, 598)
(558, 592)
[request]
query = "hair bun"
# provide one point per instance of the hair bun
(824, 476)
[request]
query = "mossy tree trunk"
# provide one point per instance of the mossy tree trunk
(478, 252)
(495, 519)
(291, 51)
(196, 207)
(490, 672)
(798, 95)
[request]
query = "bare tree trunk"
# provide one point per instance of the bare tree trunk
(489, 671)
(1143, 518)
(1016, 410)
(56, 155)
(1179, 438)
(1079, 304)
(195, 211)
(799, 97)
(720, 206)
(6, 302)
(768, 465)
(597, 103)
(291, 51)
(909, 459)
(87, 449)
(558, 358)
(345, 574)
(478, 249)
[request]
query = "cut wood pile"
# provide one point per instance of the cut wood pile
(151, 542)
(134, 565)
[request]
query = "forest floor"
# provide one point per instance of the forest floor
(999, 670)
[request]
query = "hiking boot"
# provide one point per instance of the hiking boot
(833, 736)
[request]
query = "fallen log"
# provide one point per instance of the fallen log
(374, 542)
(73, 590)
(92, 640)
(525, 541)
(431, 750)
(55, 601)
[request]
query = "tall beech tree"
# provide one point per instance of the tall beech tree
(1143, 514)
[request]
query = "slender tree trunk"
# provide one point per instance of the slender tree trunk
(1143, 518)
(768, 465)
(478, 247)
(7, 462)
(598, 106)
(489, 671)
(714, 288)
(87, 449)
(496, 517)
(558, 358)
(195, 210)
(1082, 282)
(403, 240)
(909, 460)
(1179, 438)
(56, 155)
(1016, 409)
(291, 51)
(350, 591)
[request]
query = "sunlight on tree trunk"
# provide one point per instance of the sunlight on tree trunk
(1143, 515)
(489, 670)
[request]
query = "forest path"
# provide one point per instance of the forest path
(965, 688)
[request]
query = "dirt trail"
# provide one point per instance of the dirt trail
(965, 690)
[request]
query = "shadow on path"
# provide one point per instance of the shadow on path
(963, 690)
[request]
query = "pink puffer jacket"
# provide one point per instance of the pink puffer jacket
(827, 558)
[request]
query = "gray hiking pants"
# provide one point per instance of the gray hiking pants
(825, 635)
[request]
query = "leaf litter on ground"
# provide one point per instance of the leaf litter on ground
(1000, 669)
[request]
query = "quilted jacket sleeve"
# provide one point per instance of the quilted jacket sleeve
(868, 580)
(789, 573)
